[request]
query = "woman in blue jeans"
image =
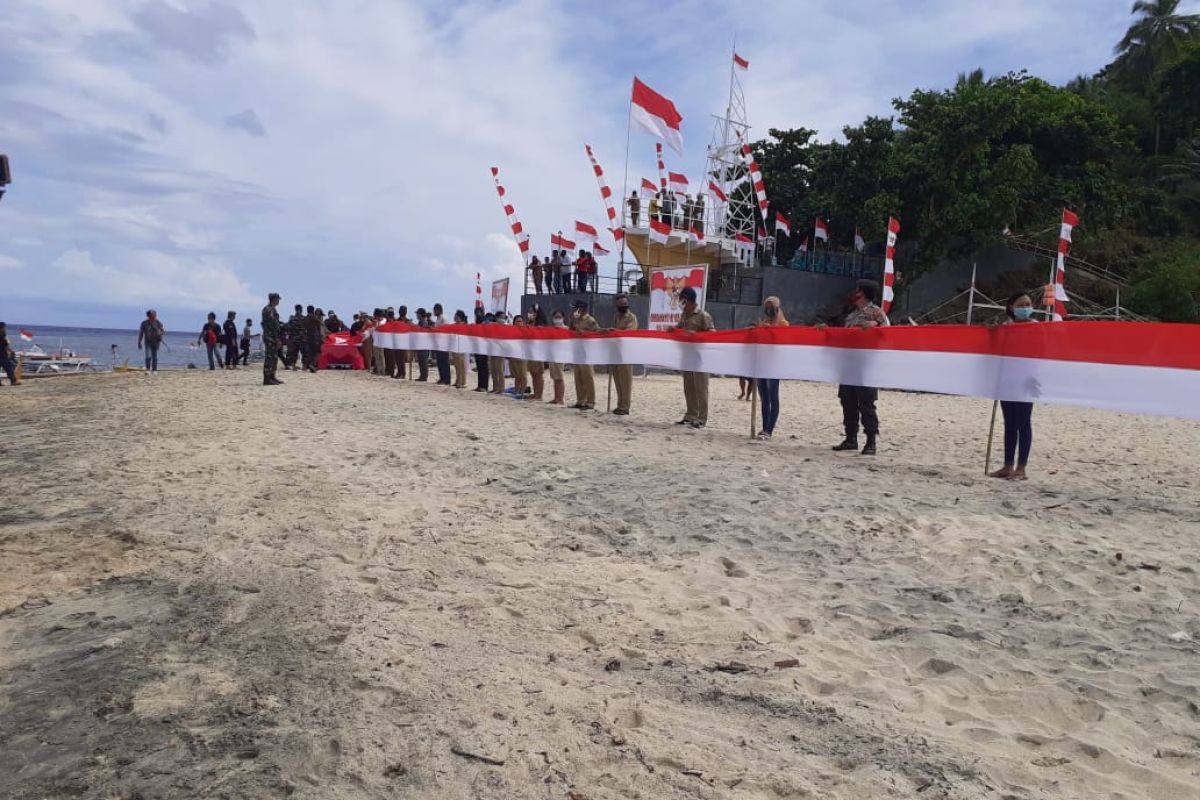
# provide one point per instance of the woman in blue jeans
(768, 388)
(1018, 415)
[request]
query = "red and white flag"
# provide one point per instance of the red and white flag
(478, 290)
(740, 62)
(662, 166)
(513, 223)
(804, 245)
(656, 115)
(696, 235)
(677, 182)
(716, 192)
(649, 187)
(1069, 221)
(889, 266)
(762, 234)
(659, 231)
(822, 231)
(599, 249)
(585, 232)
(760, 188)
(561, 242)
(860, 244)
(606, 195)
(782, 225)
(26, 336)
(743, 240)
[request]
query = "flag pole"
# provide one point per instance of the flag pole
(987, 458)
(625, 193)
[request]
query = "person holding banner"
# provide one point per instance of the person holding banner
(459, 360)
(585, 381)
(768, 388)
(1018, 415)
(695, 384)
(556, 369)
(622, 374)
(517, 366)
(482, 363)
(537, 369)
(858, 402)
(496, 363)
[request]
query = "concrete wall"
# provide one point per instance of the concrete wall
(953, 277)
(804, 295)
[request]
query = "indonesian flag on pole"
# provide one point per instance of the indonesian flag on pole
(648, 186)
(716, 192)
(696, 235)
(1069, 221)
(889, 267)
(743, 239)
(659, 231)
(860, 244)
(678, 183)
(26, 336)
(656, 115)
(599, 249)
(740, 62)
(662, 166)
(561, 242)
(586, 232)
(822, 231)
(782, 225)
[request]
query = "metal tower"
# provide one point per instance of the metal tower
(726, 167)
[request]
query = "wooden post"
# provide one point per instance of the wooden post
(987, 459)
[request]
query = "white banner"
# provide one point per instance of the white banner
(665, 285)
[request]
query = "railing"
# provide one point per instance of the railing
(1072, 263)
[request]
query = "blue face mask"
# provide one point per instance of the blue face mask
(1023, 313)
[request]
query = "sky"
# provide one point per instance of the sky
(194, 155)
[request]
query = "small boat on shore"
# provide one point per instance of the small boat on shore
(36, 362)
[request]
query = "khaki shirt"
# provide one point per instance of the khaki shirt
(625, 322)
(585, 323)
(701, 320)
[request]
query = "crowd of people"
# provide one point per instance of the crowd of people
(679, 210)
(560, 274)
(299, 341)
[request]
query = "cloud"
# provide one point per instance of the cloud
(8, 262)
(151, 277)
(247, 121)
(372, 187)
(205, 34)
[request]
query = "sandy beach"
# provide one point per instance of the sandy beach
(353, 587)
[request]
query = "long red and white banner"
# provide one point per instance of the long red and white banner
(618, 232)
(517, 230)
(1139, 367)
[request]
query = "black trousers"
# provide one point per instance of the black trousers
(858, 404)
(423, 365)
(443, 366)
(10, 368)
(481, 372)
(231, 354)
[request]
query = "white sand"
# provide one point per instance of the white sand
(325, 589)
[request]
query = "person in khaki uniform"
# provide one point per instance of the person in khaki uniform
(556, 369)
(585, 380)
(518, 367)
(695, 384)
(622, 374)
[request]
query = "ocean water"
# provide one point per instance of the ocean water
(110, 347)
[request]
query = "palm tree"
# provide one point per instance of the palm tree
(1155, 38)
(1151, 42)
(1183, 173)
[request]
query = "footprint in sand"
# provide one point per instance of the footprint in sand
(732, 570)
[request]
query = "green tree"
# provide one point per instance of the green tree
(1168, 285)
(1157, 38)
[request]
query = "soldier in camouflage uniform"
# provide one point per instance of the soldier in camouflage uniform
(270, 335)
(295, 336)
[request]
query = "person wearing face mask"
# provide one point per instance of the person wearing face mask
(695, 384)
(622, 374)
(585, 380)
(1018, 415)
(458, 361)
(518, 366)
(556, 369)
(858, 402)
(496, 363)
(768, 388)
(482, 362)
(536, 318)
